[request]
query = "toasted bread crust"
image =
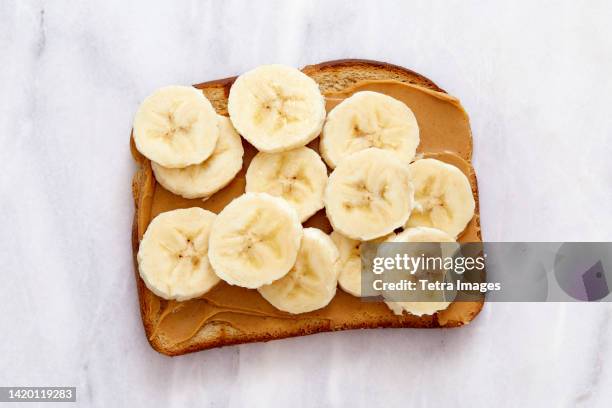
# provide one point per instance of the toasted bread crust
(347, 72)
(332, 76)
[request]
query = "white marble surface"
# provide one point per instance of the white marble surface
(535, 77)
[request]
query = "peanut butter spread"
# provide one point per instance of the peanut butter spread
(445, 135)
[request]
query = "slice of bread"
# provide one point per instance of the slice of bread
(345, 312)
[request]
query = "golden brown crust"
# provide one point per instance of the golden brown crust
(332, 76)
(361, 69)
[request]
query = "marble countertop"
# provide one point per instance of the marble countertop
(534, 76)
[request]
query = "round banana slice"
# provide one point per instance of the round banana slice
(299, 176)
(311, 283)
(254, 240)
(173, 254)
(369, 194)
(349, 262)
(176, 126)
(369, 119)
(422, 306)
(210, 176)
(276, 108)
(443, 197)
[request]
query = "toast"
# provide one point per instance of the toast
(211, 322)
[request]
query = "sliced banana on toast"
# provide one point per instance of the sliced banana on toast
(176, 126)
(422, 234)
(276, 108)
(443, 197)
(254, 240)
(369, 194)
(349, 262)
(210, 176)
(369, 119)
(173, 254)
(299, 176)
(311, 282)
(426, 302)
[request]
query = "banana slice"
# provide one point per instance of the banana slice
(173, 254)
(254, 240)
(276, 108)
(443, 197)
(311, 283)
(427, 302)
(176, 126)
(369, 119)
(369, 194)
(210, 176)
(349, 262)
(422, 234)
(299, 176)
